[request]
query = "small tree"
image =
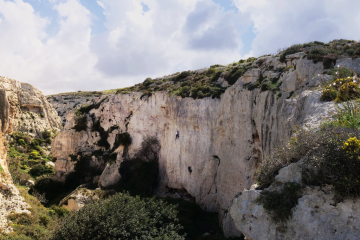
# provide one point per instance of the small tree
(121, 217)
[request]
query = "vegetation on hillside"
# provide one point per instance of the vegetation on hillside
(330, 156)
(121, 217)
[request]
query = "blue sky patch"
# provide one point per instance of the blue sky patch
(227, 5)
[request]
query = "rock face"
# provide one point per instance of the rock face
(22, 108)
(222, 141)
(63, 103)
(316, 216)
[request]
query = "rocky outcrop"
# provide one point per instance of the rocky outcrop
(63, 103)
(222, 141)
(23, 108)
(316, 216)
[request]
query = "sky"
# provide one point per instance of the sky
(70, 45)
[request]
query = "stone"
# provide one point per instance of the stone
(353, 64)
(240, 129)
(78, 199)
(291, 173)
(292, 59)
(250, 76)
(30, 183)
(50, 164)
(25, 109)
(290, 82)
(316, 215)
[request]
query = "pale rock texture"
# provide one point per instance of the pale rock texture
(63, 103)
(78, 199)
(22, 108)
(349, 63)
(251, 76)
(316, 215)
(239, 129)
(222, 141)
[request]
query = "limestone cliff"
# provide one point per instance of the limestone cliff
(63, 103)
(23, 108)
(316, 216)
(222, 141)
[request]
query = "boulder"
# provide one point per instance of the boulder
(316, 215)
(250, 76)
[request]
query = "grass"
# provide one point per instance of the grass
(347, 115)
(38, 225)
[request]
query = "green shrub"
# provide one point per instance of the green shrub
(347, 115)
(183, 75)
(35, 154)
(59, 211)
(348, 91)
(146, 94)
(39, 170)
(87, 108)
(80, 122)
(340, 73)
(22, 142)
(291, 50)
(328, 95)
(234, 75)
(121, 217)
(279, 204)
(147, 82)
(357, 52)
(216, 76)
(210, 72)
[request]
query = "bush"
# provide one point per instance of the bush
(341, 73)
(22, 142)
(341, 90)
(121, 217)
(80, 122)
(279, 204)
(291, 50)
(39, 170)
(147, 82)
(348, 115)
(348, 91)
(183, 75)
(35, 154)
(300, 145)
(234, 75)
(357, 52)
(328, 95)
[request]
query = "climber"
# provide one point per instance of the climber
(177, 135)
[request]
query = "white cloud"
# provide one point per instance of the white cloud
(170, 36)
(281, 23)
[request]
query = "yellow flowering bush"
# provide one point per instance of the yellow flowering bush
(342, 89)
(352, 146)
(348, 91)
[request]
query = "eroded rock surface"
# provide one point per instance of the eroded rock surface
(22, 108)
(63, 103)
(222, 141)
(316, 215)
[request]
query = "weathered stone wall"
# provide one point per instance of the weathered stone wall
(316, 216)
(22, 108)
(222, 141)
